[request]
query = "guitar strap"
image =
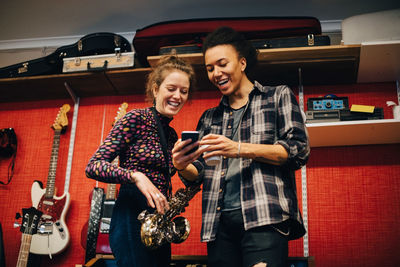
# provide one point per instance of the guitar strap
(8, 148)
(167, 171)
(94, 222)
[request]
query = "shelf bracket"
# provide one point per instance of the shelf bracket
(301, 92)
(72, 136)
(303, 176)
(71, 92)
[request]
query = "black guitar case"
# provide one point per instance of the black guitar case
(284, 42)
(186, 36)
(91, 44)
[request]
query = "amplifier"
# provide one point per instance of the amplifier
(347, 115)
(342, 115)
(328, 103)
(322, 115)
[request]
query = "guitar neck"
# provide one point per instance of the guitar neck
(51, 178)
(111, 192)
(24, 250)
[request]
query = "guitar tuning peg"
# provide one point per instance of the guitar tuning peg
(17, 216)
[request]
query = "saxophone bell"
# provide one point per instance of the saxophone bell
(158, 229)
(180, 229)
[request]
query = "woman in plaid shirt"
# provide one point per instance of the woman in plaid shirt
(250, 208)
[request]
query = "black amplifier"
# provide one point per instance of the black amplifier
(322, 115)
(347, 115)
(328, 103)
(342, 115)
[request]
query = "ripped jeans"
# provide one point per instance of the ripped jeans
(235, 247)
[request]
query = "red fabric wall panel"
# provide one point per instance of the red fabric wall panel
(353, 203)
(353, 192)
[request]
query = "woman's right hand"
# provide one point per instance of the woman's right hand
(155, 198)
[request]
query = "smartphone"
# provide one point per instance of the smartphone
(194, 135)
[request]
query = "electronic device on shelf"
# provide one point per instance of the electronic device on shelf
(329, 102)
(342, 115)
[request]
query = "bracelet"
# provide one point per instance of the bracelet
(238, 154)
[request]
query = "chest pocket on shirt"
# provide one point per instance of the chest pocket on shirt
(263, 127)
(215, 127)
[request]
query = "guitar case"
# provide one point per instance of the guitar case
(91, 44)
(148, 40)
(284, 42)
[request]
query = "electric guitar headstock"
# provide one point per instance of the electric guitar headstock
(121, 112)
(30, 220)
(61, 121)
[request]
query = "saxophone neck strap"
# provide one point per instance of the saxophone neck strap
(167, 171)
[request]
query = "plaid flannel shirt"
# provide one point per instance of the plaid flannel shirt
(267, 192)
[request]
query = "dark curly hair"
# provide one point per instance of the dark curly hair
(227, 36)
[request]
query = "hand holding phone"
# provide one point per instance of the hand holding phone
(194, 136)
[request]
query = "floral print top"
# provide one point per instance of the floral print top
(135, 139)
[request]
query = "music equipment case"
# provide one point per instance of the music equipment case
(91, 44)
(191, 32)
(284, 42)
(99, 62)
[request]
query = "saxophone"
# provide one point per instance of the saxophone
(158, 229)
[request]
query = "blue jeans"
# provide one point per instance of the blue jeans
(125, 242)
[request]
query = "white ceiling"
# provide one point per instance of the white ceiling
(23, 19)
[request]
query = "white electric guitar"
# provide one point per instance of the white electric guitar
(52, 236)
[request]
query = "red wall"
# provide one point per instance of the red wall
(353, 192)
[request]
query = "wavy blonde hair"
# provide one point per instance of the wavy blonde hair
(166, 65)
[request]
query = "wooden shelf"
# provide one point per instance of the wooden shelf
(320, 65)
(347, 133)
(84, 84)
(335, 64)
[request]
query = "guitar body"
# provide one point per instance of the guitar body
(53, 235)
(103, 244)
